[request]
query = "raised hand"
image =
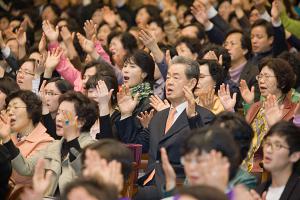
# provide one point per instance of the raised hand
(43, 43)
(168, 170)
(104, 97)
(87, 45)
(158, 104)
(227, 101)
(145, 118)
(50, 32)
(41, 180)
(147, 38)
(247, 95)
(66, 34)
(211, 55)
(21, 37)
(103, 171)
(215, 170)
(42, 95)
(189, 96)
(89, 29)
(5, 127)
(275, 11)
(53, 59)
(206, 99)
(199, 12)
(109, 16)
(70, 125)
(126, 102)
(273, 112)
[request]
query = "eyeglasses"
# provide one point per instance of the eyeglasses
(274, 146)
(24, 72)
(265, 76)
(189, 160)
(9, 108)
(51, 93)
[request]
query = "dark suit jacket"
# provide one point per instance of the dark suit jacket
(291, 190)
(155, 138)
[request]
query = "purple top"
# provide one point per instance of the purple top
(296, 120)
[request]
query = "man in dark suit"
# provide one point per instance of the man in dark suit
(169, 127)
(238, 45)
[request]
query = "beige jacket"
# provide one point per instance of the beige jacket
(63, 171)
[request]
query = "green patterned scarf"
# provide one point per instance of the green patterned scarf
(144, 89)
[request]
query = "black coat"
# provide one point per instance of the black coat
(291, 190)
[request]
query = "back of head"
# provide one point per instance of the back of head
(238, 127)
(113, 150)
(90, 188)
(213, 138)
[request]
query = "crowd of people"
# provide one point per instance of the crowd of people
(205, 92)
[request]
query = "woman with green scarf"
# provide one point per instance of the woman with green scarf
(138, 73)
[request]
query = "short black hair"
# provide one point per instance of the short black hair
(87, 110)
(283, 71)
(62, 85)
(216, 71)
(110, 149)
(192, 43)
(110, 81)
(267, 25)
(238, 127)
(153, 11)
(32, 101)
(128, 41)
(8, 85)
(201, 32)
(144, 61)
(219, 50)
(213, 138)
(245, 41)
(93, 187)
(102, 67)
(294, 60)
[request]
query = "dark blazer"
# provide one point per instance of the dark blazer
(155, 138)
(5, 169)
(291, 190)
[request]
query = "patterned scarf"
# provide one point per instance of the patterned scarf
(144, 89)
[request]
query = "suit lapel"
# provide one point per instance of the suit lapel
(286, 107)
(180, 123)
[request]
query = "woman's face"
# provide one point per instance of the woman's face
(87, 74)
(117, 50)
(25, 75)
(92, 94)
(97, 17)
(267, 82)
(183, 50)
(17, 111)
(133, 74)
(52, 94)
(49, 14)
(205, 81)
(103, 32)
(142, 17)
(157, 32)
(4, 22)
(191, 163)
(65, 108)
(276, 156)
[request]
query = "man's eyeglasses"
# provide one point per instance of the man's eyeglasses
(274, 146)
(51, 93)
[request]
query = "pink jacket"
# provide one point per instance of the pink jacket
(38, 139)
(66, 69)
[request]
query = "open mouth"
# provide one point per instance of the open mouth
(126, 78)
